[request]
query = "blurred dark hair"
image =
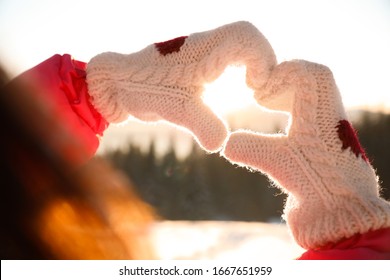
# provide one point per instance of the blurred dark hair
(52, 207)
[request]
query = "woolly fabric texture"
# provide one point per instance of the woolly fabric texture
(333, 190)
(165, 80)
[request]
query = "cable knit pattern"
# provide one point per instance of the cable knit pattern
(165, 80)
(333, 191)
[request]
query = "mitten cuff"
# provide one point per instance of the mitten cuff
(325, 223)
(104, 86)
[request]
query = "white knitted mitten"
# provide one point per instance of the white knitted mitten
(333, 191)
(165, 80)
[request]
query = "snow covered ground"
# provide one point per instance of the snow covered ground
(214, 240)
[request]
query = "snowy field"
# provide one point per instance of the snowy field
(211, 240)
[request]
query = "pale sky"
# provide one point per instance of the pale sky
(352, 37)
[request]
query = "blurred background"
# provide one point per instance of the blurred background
(167, 167)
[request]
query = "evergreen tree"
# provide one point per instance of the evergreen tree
(374, 134)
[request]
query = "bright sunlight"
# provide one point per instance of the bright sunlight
(229, 92)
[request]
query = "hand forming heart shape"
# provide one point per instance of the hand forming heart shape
(333, 189)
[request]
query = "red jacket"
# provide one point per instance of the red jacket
(374, 245)
(62, 80)
(61, 83)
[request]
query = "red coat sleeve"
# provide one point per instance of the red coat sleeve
(374, 245)
(61, 82)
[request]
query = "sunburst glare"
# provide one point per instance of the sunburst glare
(229, 92)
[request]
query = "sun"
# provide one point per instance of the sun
(229, 92)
